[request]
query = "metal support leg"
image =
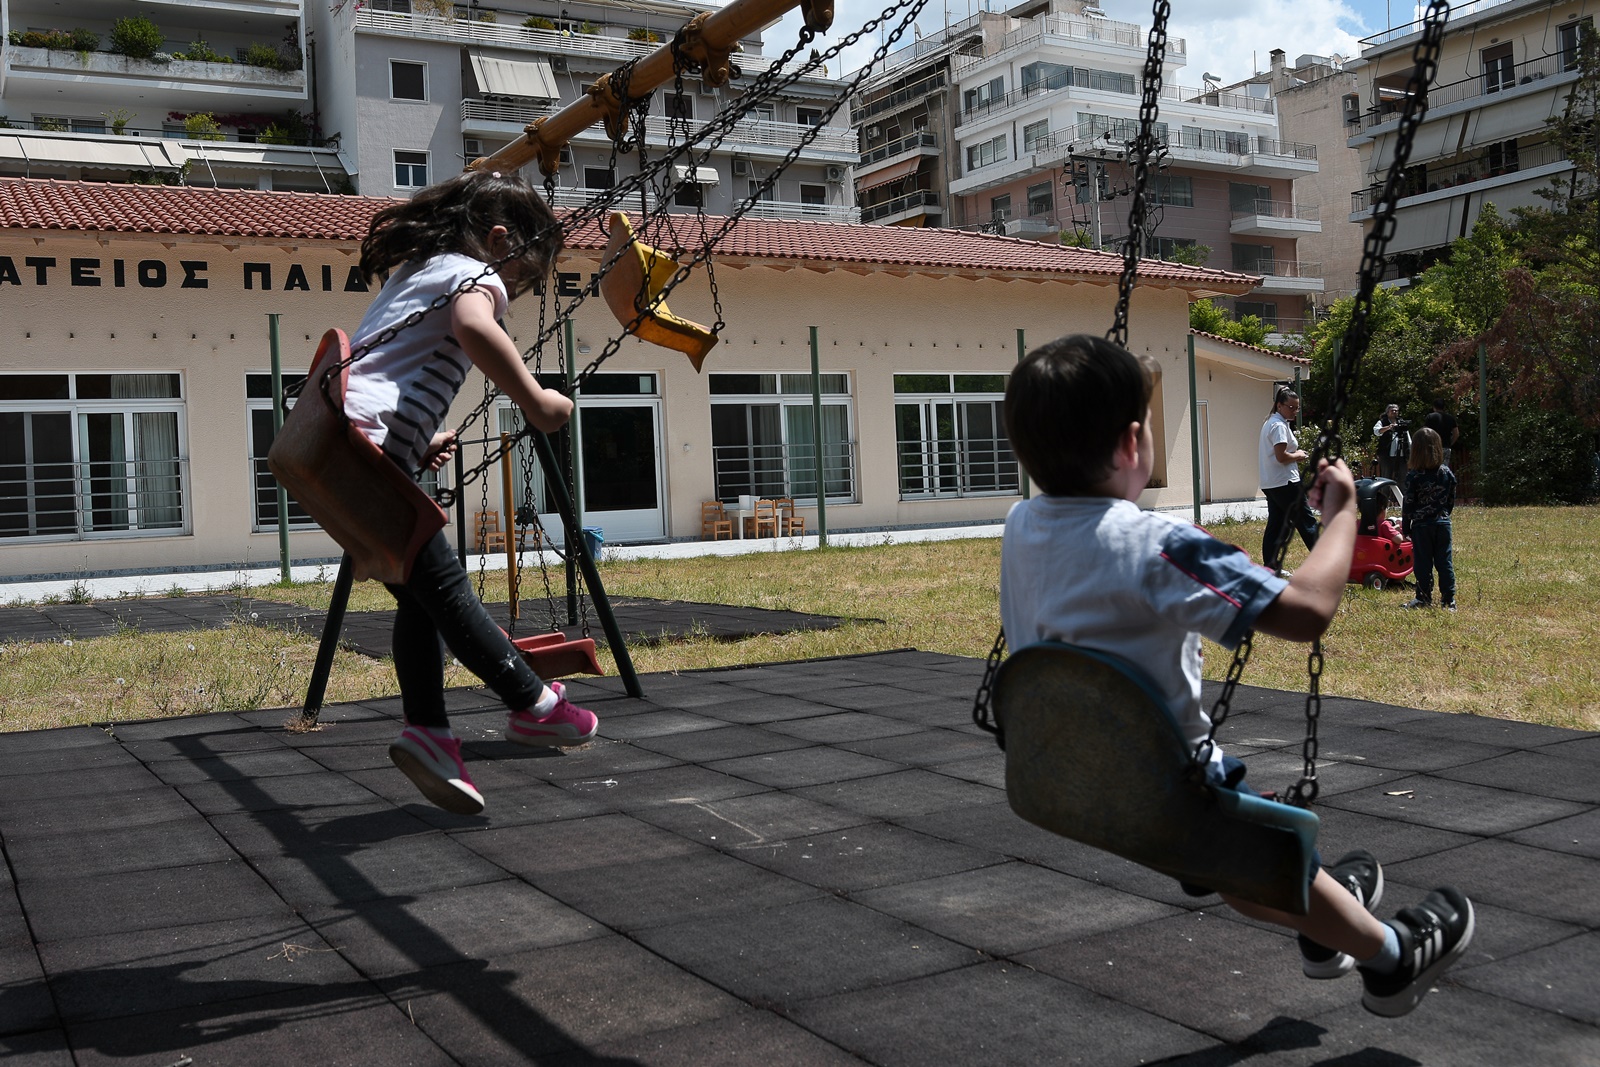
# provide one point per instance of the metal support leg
(330, 638)
(579, 552)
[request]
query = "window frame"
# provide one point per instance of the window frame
(426, 165)
(89, 485)
(793, 395)
(941, 467)
(263, 483)
(422, 66)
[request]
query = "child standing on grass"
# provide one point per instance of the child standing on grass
(1084, 565)
(1425, 518)
(442, 241)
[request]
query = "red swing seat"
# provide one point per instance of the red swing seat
(364, 501)
(551, 655)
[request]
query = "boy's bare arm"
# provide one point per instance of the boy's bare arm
(491, 351)
(1303, 611)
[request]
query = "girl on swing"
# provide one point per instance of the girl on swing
(441, 242)
(1084, 565)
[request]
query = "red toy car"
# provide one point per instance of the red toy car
(1377, 561)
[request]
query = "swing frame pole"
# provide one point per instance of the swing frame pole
(575, 464)
(708, 39)
(576, 549)
(508, 501)
(317, 688)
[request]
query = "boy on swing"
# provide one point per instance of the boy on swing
(1082, 564)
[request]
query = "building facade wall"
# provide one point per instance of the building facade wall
(1315, 112)
(872, 324)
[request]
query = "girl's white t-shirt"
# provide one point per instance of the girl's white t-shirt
(400, 391)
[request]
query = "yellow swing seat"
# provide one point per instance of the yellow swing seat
(637, 275)
(1094, 754)
(361, 497)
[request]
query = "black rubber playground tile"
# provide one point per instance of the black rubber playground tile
(745, 868)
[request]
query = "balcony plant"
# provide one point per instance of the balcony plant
(203, 126)
(136, 37)
(645, 34)
(202, 52)
(77, 40)
(589, 28)
(118, 119)
(538, 22)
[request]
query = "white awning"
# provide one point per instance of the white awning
(702, 175)
(507, 77)
(903, 169)
(90, 155)
(1514, 117)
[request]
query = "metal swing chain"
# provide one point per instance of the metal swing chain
(1330, 445)
(703, 142)
(1143, 145)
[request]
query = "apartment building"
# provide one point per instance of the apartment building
(162, 91)
(418, 88)
(1018, 122)
(1505, 69)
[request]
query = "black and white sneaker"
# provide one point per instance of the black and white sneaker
(1362, 875)
(1433, 935)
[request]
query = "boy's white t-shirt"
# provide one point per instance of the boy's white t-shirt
(1276, 430)
(1100, 573)
(400, 391)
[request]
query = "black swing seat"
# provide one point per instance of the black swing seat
(1093, 754)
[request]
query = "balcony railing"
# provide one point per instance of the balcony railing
(745, 134)
(1082, 77)
(785, 470)
(471, 31)
(921, 199)
(1528, 72)
(1278, 209)
(500, 111)
(82, 499)
(916, 142)
(899, 98)
(1464, 170)
(1104, 31)
(177, 74)
(1279, 268)
(974, 467)
(789, 209)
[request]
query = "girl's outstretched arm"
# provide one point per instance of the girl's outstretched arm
(473, 323)
(1303, 610)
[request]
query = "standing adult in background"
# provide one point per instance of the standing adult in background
(1394, 443)
(1280, 456)
(1444, 424)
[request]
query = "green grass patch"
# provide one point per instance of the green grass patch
(1519, 648)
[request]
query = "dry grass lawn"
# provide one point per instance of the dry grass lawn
(1521, 646)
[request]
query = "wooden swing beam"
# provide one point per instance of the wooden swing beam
(708, 40)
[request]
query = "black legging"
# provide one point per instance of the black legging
(439, 602)
(1285, 508)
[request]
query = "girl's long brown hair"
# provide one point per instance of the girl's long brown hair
(456, 216)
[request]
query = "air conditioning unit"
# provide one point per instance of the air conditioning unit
(873, 131)
(742, 168)
(835, 174)
(472, 148)
(558, 64)
(566, 155)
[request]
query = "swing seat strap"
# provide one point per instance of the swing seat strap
(1093, 754)
(358, 495)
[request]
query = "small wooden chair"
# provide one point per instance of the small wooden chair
(790, 523)
(714, 522)
(486, 531)
(766, 517)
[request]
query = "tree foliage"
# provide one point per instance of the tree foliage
(1207, 317)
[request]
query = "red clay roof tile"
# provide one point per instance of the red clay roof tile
(49, 204)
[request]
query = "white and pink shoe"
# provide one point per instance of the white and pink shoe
(562, 726)
(434, 766)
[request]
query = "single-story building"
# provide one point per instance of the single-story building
(135, 386)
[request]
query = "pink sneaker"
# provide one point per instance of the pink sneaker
(435, 767)
(567, 724)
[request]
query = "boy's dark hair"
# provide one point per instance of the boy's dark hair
(1067, 406)
(1427, 450)
(456, 215)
